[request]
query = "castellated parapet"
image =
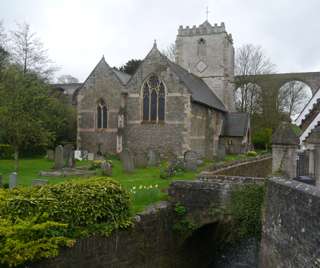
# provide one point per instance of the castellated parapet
(207, 51)
(204, 29)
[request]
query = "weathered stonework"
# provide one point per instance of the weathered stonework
(207, 51)
(290, 236)
(193, 116)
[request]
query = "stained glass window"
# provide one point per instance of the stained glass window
(153, 100)
(102, 115)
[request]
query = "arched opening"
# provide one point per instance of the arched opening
(154, 99)
(213, 245)
(248, 98)
(292, 98)
(102, 114)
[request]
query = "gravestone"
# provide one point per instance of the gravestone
(106, 168)
(153, 158)
(221, 152)
(13, 180)
(140, 160)
(90, 156)
(77, 155)
(84, 155)
(68, 152)
(191, 159)
(50, 155)
(39, 182)
(127, 160)
(58, 157)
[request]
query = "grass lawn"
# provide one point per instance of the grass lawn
(144, 185)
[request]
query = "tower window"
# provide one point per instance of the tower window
(153, 100)
(102, 115)
(202, 48)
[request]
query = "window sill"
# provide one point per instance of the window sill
(153, 122)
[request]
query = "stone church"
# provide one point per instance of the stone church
(169, 107)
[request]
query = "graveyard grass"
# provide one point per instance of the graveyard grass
(145, 185)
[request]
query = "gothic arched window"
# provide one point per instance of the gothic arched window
(102, 115)
(153, 100)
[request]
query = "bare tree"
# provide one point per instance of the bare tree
(28, 52)
(292, 97)
(250, 61)
(170, 52)
(67, 79)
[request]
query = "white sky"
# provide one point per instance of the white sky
(78, 32)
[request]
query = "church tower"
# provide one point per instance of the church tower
(207, 51)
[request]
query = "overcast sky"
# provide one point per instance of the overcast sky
(78, 32)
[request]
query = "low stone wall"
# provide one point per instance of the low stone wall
(260, 166)
(150, 243)
(291, 229)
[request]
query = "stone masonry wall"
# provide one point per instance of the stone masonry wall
(291, 228)
(101, 84)
(149, 243)
(174, 132)
(260, 166)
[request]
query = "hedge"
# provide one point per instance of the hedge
(36, 221)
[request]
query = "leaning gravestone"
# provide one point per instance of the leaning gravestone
(140, 160)
(13, 180)
(191, 160)
(50, 155)
(153, 158)
(127, 160)
(58, 157)
(39, 182)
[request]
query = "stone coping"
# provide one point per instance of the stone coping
(221, 166)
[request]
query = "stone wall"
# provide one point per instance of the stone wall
(207, 51)
(291, 228)
(101, 84)
(150, 243)
(175, 130)
(260, 166)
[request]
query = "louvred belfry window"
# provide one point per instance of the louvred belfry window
(153, 100)
(102, 115)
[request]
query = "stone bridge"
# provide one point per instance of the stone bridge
(154, 241)
(276, 81)
(207, 198)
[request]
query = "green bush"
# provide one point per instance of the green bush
(251, 153)
(246, 210)
(50, 216)
(262, 138)
(6, 151)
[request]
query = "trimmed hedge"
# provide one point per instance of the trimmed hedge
(36, 221)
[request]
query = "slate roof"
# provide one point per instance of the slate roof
(235, 125)
(124, 78)
(199, 89)
(285, 134)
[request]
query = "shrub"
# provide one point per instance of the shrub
(251, 153)
(246, 210)
(262, 138)
(44, 218)
(6, 151)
